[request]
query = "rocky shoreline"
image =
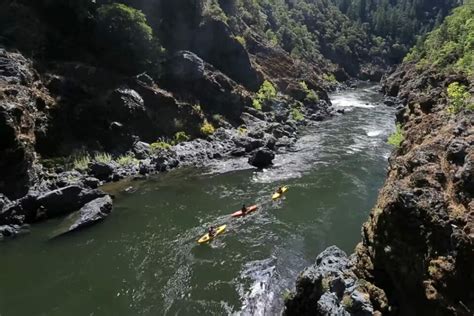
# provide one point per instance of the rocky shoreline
(417, 247)
(55, 192)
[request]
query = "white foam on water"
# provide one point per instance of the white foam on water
(351, 101)
(374, 133)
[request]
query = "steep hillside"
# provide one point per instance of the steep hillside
(417, 247)
(95, 91)
(398, 24)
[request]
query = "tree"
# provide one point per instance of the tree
(124, 39)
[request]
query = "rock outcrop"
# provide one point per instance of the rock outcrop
(418, 244)
(331, 287)
(21, 98)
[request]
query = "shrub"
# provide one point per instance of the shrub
(297, 115)
(257, 104)
(311, 95)
(241, 40)
(207, 128)
(127, 160)
(397, 137)
(124, 38)
(266, 93)
(242, 130)
(330, 78)
(81, 162)
(197, 108)
(180, 137)
(458, 97)
(160, 146)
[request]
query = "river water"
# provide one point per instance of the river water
(144, 259)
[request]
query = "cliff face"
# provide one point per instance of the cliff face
(417, 251)
(418, 242)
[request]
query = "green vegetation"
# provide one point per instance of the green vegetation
(160, 146)
(127, 160)
(241, 40)
(296, 114)
(311, 95)
(396, 24)
(397, 137)
(267, 92)
(197, 108)
(103, 158)
(207, 128)
(330, 78)
(450, 46)
(124, 38)
(242, 130)
(81, 162)
(180, 137)
(458, 97)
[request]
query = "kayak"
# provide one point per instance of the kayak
(207, 238)
(277, 195)
(250, 209)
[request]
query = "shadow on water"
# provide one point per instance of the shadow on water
(144, 260)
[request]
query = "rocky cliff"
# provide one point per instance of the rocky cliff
(67, 102)
(417, 251)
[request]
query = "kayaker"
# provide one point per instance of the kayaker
(280, 190)
(212, 231)
(244, 210)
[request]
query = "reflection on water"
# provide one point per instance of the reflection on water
(144, 260)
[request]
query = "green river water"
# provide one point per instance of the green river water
(144, 259)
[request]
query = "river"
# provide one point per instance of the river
(144, 259)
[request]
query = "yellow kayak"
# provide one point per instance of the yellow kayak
(207, 238)
(277, 195)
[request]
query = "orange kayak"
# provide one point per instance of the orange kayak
(250, 209)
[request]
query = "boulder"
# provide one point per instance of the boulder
(90, 214)
(141, 150)
(330, 287)
(101, 170)
(10, 231)
(262, 158)
(185, 66)
(64, 201)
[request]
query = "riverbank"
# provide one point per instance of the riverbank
(58, 190)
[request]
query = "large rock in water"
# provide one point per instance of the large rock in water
(262, 158)
(330, 287)
(65, 200)
(90, 214)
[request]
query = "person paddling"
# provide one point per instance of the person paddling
(211, 231)
(244, 210)
(280, 190)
